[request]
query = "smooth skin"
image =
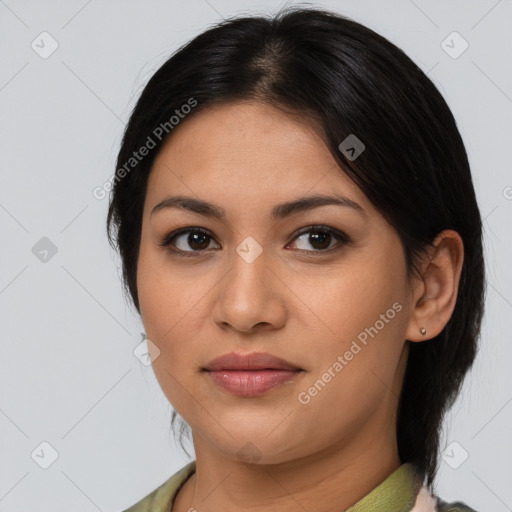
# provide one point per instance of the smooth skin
(304, 299)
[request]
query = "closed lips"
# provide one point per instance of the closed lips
(248, 362)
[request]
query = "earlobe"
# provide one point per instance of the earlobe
(441, 271)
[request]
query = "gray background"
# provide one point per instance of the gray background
(68, 373)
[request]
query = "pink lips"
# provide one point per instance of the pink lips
(250, 375)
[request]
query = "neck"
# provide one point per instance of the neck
(330, 481)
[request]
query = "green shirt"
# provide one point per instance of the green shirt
(397, 493)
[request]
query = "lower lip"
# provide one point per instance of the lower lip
(250, 382)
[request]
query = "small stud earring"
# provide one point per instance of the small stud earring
(423, 331)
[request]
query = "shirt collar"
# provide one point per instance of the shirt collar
(397, 492)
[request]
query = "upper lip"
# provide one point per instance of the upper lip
(253, 361)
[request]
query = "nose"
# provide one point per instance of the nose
(251, 296)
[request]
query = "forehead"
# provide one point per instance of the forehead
(250, 149)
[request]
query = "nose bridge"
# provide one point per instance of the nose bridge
(249, 295)
(249, 273)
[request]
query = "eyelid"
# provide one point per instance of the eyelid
(320, 227)
(165, 242)
(342, 238)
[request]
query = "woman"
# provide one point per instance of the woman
(299, 232)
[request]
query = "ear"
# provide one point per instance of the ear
(435, 292)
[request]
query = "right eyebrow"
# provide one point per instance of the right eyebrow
(191, 204)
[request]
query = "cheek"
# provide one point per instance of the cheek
(173, 304)
(354, 297)
(362, 307)
(163, 291)
(159, 302)
(166, 304)
(355, 370)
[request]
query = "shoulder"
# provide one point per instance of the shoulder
(161, 498)
(430, 502)
(427, 502)
(456, 506)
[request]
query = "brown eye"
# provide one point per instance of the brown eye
(197, 241)
(188, 240)
(321, 239)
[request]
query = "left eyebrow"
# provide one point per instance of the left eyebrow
(308, 203)
(279, 211)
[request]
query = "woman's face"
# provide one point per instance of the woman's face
(335, 306)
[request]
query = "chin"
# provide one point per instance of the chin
(253, 445)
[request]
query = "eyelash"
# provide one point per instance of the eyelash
(341, 237)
